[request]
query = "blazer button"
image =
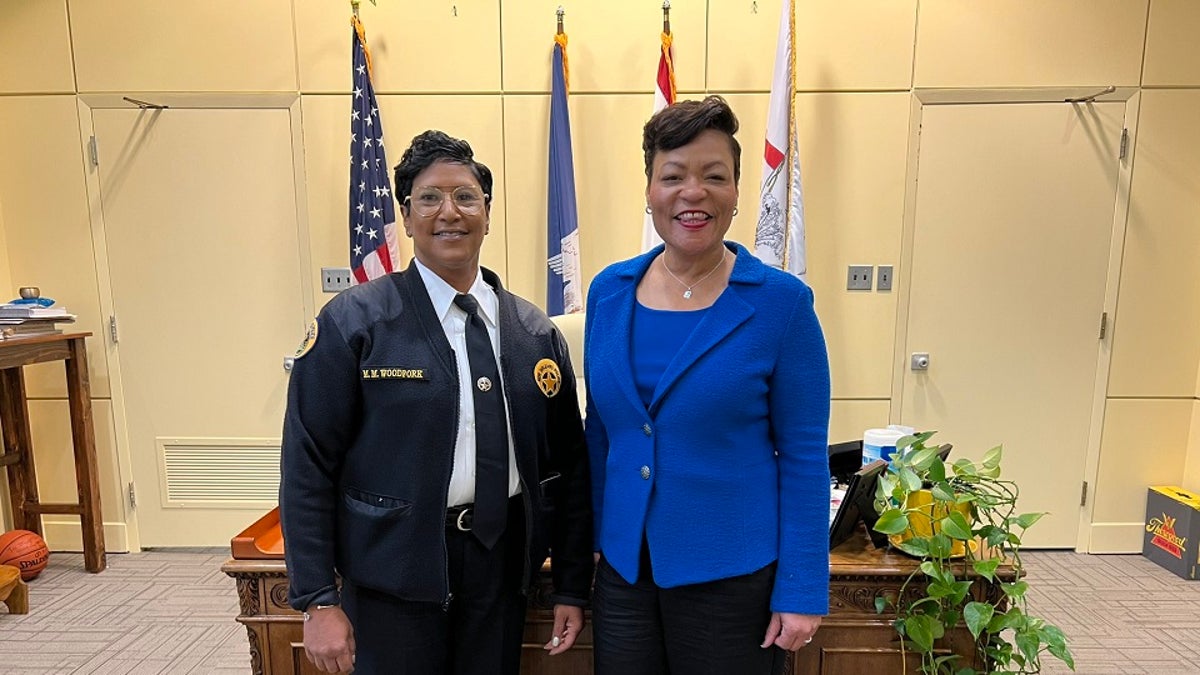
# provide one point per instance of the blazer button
(646, 429)
(645, 472)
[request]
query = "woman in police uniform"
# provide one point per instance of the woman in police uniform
(380, 447)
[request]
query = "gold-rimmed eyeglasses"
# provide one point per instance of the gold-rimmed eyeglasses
(427, 201)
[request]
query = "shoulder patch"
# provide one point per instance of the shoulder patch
(310, 339)
(548, 377)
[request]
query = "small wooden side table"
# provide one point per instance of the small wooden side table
(17, 457)
(13, 592)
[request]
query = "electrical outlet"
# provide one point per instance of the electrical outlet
(335, 279)
(858, 277)
(884, 282)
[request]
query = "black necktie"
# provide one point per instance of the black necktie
(491, 429)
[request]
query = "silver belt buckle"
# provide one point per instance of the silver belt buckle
(459, 522)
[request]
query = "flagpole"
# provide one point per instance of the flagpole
(667, 16)
(791, 149)
(561, 39)
(354, 6)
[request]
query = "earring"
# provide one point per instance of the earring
(735, 210)
(647, 209)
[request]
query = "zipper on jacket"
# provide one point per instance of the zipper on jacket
(446, 488)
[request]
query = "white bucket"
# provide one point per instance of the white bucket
(880, 444)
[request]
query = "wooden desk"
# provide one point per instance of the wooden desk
(17, 457)
(853, 639)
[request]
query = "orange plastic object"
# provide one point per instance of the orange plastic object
(261, 541)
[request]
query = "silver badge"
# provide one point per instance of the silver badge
(484, 384)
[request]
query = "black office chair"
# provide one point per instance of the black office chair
(845, 459)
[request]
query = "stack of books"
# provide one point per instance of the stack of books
(17, 320)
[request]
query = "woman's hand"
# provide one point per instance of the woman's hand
(790, 631)
(568, 624)
(329, 640)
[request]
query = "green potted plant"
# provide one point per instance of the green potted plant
(960, 521)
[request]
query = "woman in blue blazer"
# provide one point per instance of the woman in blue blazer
(707, 419)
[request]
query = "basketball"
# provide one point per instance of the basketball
(25, 551)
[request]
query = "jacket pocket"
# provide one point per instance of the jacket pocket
(372, 505)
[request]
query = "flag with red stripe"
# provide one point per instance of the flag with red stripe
(664, 95)
(779, 236)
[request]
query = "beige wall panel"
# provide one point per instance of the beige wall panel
(327, 170)
(1191, 471)
(7, 289)
(853, 154)
(1156, 338)
(526, 137)
(1144, 443)
(49, 422)
(1029, 43)
(46, 222)
(1171, 54)
(853, 44)
(35, 47)
(613, 46)
(849, 419)
(219, 45)
(414, 46)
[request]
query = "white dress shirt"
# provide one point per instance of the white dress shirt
(454, 323)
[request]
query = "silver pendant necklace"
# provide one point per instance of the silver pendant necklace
(687, 292)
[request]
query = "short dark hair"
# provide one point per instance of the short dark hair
(430, 147)
(680, 123)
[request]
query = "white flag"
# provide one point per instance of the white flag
(664, 95)
(779, 237)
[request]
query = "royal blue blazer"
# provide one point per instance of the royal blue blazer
(727, 471)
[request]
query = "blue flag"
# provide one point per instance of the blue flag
(374, 248)
(564, 294)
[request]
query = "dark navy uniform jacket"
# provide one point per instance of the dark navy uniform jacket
(368, 444)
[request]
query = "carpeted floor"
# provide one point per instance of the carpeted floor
(172, 612)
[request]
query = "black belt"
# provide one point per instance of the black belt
(460, 517)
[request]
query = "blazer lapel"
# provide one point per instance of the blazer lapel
(611, 347)
(724, 317)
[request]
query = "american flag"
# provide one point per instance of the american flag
(373, 245)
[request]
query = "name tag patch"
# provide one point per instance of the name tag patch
(388, 373)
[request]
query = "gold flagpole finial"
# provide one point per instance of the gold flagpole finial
(354, 5)
(666, 16)
(559, 13)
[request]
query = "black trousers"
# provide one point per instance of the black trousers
(478, 633)
(713, 628)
